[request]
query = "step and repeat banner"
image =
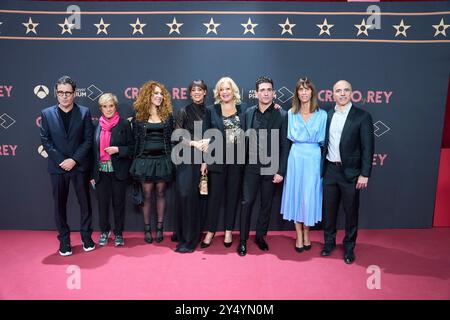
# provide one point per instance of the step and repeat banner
(396, 55)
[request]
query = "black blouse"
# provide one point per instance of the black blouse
(187, 115)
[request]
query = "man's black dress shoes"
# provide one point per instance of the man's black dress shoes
(326, 251)
(262, 244)
(242, 248)
(349, 257)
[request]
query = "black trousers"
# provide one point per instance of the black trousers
(190, 205)
(224, 189)
(337, 188)
(253, 181)
(109, 188)
(60, 189)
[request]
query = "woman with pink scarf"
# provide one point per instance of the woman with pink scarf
(113, 145)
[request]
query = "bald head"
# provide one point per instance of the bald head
(342, 92)
(343, 82)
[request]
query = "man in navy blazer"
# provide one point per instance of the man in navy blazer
(66, 134)
(348, 156)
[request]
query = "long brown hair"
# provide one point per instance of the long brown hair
(296, 104)
(143, 101)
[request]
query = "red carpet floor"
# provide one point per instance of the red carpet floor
(413, 264)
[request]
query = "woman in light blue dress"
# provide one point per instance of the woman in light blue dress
(302, 192)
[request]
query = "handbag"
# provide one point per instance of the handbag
(203, 185)
(136, 194)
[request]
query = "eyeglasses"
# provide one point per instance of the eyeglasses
(64, 93)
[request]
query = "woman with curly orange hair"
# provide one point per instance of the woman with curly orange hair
(152, 165)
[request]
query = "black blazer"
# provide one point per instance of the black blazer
(213, 119)
(121, 137)
(60, 145)
(278, 120)
(357, 143)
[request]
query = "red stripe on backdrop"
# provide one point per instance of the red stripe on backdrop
(442, 205)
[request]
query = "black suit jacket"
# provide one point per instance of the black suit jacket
(357, 143)
(60, 145)
(121, 137)
(278, 120)
(213, 119)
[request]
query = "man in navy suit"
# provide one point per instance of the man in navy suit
(66, 134)
(348, 156)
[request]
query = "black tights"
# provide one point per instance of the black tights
(148, 188)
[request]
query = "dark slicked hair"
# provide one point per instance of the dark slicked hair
(198, 83)
(66, 80)
(263, 79)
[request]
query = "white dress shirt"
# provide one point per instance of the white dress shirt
(336, 126)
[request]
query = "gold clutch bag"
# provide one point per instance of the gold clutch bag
(203, 185)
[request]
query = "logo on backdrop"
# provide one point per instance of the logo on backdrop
(380, 128)
(41, 91)
(6, 121)
(5, 91)
(131, 93)
(283, 94)
(8, 150)
(361, 97)
(42, 152)
(92, 92)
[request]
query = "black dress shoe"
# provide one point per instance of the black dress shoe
(262, 244)
(242, 248)
(299, 249)
(349, 257)
(307, 247)
(326, 251)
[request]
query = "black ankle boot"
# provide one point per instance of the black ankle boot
(148, 233)
(159, 232)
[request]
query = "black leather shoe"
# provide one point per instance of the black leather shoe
(326, 251)
(307, 247)
(349, 257)
(242, 248)
(262, 244)
(299, 249)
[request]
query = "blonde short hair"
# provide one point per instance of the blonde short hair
(106, 98)
(234, 88)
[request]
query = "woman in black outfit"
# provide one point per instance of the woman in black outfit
(152, 165)
(226, 115)
(113, 145)
(190, 205)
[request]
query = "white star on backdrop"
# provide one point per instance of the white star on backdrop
(211, 26)
(66, 26)
(287, 27)
(325, 27)
(138, 26)
(249, 26)
(401, 29)
(363, 27)
(441, 27)
(174, 26)
(102, 27)
(31, 27)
